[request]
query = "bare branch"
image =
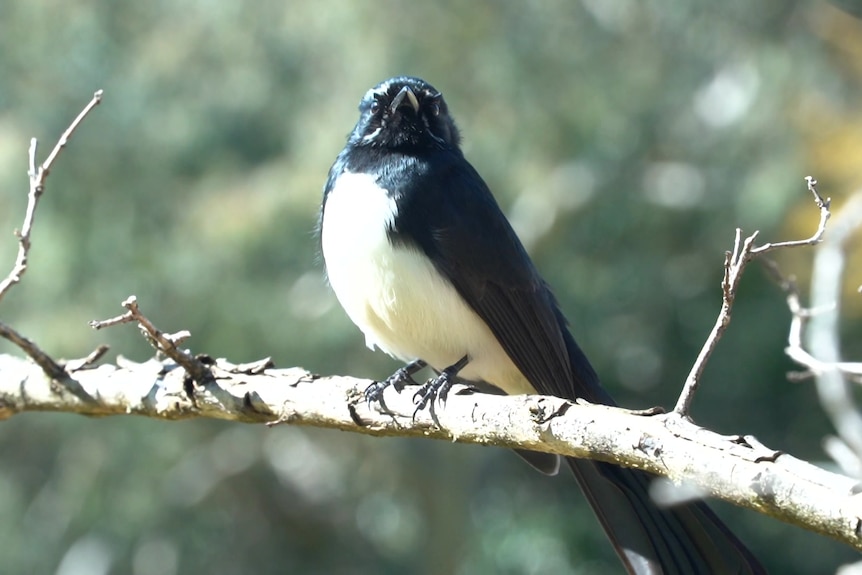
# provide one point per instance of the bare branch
(163, 342)
(735, 263)
(64, 138)
(740, 472)
(37, 186)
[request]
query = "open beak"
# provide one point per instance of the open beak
(405, 93)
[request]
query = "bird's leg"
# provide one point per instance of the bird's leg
(374, 392)
(438, 387)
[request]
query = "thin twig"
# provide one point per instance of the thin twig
(53, 369)
(127, 317)
(735, 263)
(64, 138)
(88, 361)
(815, 239)
(165, 342)
(37, 186)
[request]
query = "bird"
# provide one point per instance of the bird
(424, 262)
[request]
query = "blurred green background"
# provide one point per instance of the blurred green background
(626, 140)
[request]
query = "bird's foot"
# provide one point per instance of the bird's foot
(404, 375)
(437, 388)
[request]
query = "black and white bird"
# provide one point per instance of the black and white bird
(424, 262)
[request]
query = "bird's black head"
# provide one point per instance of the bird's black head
(404, 113)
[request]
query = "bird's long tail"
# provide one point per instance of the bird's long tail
(682, 539)
(685, 539)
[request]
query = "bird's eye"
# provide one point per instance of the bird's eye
(375, 106)
(435, 108)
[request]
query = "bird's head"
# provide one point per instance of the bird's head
(404, 112)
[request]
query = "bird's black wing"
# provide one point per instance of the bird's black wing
(472, 244)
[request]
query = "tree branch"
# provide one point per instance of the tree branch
(740, 472)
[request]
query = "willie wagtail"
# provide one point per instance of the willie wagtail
(424, 262)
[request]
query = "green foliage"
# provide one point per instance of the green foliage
(625, 139)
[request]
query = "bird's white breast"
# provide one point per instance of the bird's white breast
(395, 295)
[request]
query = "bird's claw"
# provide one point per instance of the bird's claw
(401, 377)
(435, 389)
(374, 392)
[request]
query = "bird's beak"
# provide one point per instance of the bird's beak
(405, 92)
